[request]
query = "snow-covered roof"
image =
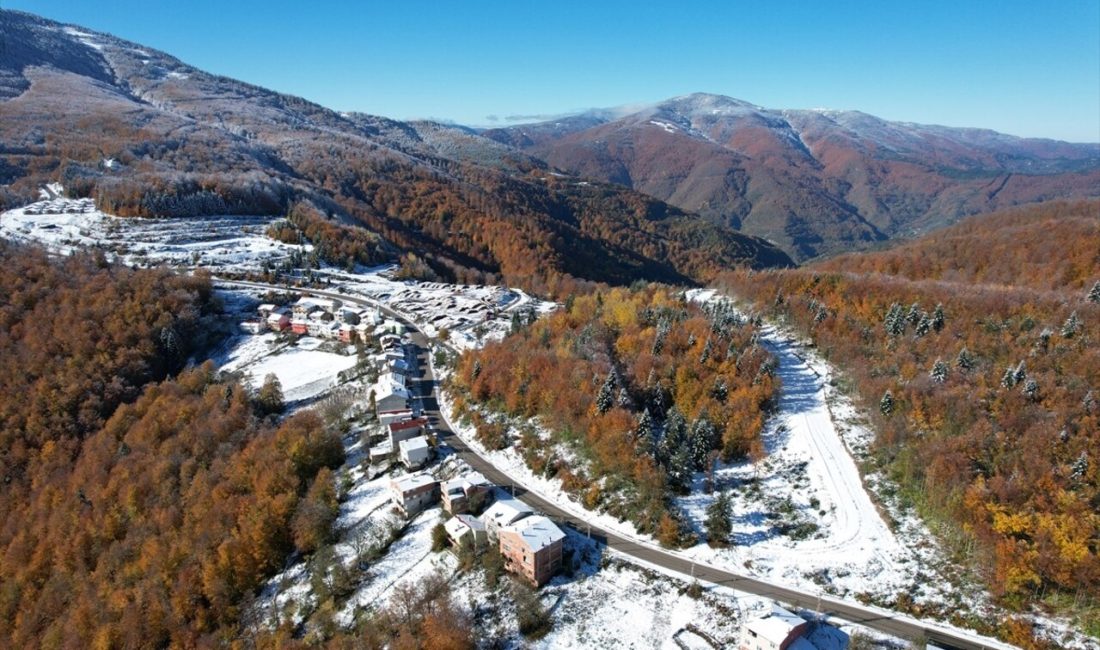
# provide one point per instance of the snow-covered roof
(474, 479)
(458, 524)
(412, 482)
(266, 307)
(506, 511)
(391, 389)
(413, 444)
(275, 317)
(776, 626)
(537, 531)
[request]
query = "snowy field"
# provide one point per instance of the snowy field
(64, 225)
(304, 370)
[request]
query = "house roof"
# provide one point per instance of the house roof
(415, 423)
(457, 524)
(506, 511)
(775, 626)
(412, 482)
(266, 307)
(474, 479)
(392, 389)
(413, 444)
(396, 412)
(275, 317)
(536, 531)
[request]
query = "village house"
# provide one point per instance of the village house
(347, 333)
(465, 493)
(414, 493)
(381, 452)
(308, 305)
(386, 418)
(466, 529)
(532, 548)
(414, 452)
(391, 398)
(777, 630)
(266, 310)
(278, 321)
(299, 326)
(254, 326)
(406, 429)
(503, 513)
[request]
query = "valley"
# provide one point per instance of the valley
(683, 373)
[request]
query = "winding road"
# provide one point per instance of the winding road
(875, 618)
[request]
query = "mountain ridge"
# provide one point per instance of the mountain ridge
(815, 181)
(74, 99)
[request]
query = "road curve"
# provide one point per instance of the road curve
(875, 618)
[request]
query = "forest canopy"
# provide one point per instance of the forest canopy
(977, 349)
(647, 387)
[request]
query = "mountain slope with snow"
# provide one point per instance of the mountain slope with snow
(145, 134)
(815, 181)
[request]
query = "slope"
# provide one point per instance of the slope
(975, 349)
(146, 134)
(817, 182)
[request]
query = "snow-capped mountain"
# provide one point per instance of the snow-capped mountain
(816, 181)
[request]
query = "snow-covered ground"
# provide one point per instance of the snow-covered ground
(63, 225)
(304, 370)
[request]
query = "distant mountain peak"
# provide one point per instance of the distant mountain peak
(818, 181)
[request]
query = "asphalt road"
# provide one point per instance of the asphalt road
(873, 618)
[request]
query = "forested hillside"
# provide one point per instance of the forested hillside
(816, 182)
(136, 513)
(646, 387)
(977, 350)
(147, 135)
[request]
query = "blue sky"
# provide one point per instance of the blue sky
(1027, 68)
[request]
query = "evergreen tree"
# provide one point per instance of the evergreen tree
(914, 314)
(1094, 294)
(605, 398)
(675, 435)
(1008, 379)
(965, 361)
(719, 524)
(719, 390)
(924, 325)
(894, 322)
(1071, 326)
(886, 404)
(680, 469)
(645, 435)
(1089, 403)
(477, 369)
(1020, 373)
(1031, 389)
(939, 371)
(707, 350)
(1080, 467)
(624, 400)
(938, 318)
(701, 440)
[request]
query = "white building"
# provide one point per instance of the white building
(413, 493)
(463, 527)
(777, 630)
(503, 513)
(414, 452)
